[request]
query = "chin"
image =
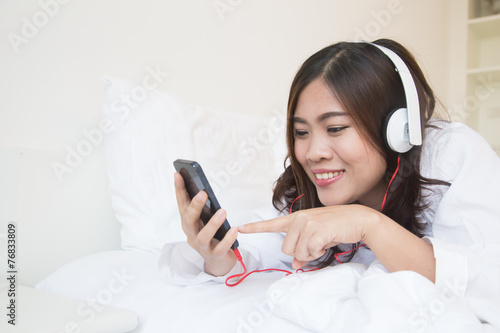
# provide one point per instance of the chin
(329, 203)
(329, 199)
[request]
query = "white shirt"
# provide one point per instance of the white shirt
(463, 225)
(464, 219)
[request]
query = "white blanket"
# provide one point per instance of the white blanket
(351, 297)
(346, 297)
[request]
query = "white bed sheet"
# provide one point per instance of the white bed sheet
(346, 297)
(133, 279)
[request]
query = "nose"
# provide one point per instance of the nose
(319, 149)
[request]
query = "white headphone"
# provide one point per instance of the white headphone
(403, 129)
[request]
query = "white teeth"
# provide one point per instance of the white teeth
(328, 175)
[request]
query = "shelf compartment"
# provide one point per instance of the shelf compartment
(483, 40)
(486, 26)
(481, 8)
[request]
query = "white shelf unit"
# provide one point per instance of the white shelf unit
(483, 74)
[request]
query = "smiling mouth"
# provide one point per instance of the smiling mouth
(328, 175)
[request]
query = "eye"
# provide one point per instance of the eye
(337, 129)
(299, 133)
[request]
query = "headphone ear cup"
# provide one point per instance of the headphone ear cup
(396, 131)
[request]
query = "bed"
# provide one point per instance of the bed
(242, 155)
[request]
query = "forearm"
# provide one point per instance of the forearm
(398, 249)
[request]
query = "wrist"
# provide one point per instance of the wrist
(219, 267)
(372, 224)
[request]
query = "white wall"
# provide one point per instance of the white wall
(242, 60)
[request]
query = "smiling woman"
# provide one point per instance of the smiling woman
(337, 145)
(346, 186)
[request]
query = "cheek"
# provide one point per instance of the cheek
(355, 151)
(300, 150)
(351, 151)
(375, 165)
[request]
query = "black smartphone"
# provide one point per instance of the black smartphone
(196, 181)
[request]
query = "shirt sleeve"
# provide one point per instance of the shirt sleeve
(181, 265)
(466, 221)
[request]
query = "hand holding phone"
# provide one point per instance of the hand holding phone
(196, 181)
(200, 224)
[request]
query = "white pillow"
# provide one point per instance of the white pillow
(242, 156)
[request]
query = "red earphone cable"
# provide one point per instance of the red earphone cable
(297, 198)
(244, 275)
(390, 182)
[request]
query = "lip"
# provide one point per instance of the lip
(326, 182)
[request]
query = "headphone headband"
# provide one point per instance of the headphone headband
(412, 104)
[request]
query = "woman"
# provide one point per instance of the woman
(432, 210)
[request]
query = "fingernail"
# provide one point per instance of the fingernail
(220, 212)
(233, 231)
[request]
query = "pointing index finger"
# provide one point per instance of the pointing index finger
(278, 224)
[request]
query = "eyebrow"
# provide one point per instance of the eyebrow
(323, 117)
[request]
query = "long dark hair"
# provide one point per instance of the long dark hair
(367, 86)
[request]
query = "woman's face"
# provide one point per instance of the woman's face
(341, 164)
